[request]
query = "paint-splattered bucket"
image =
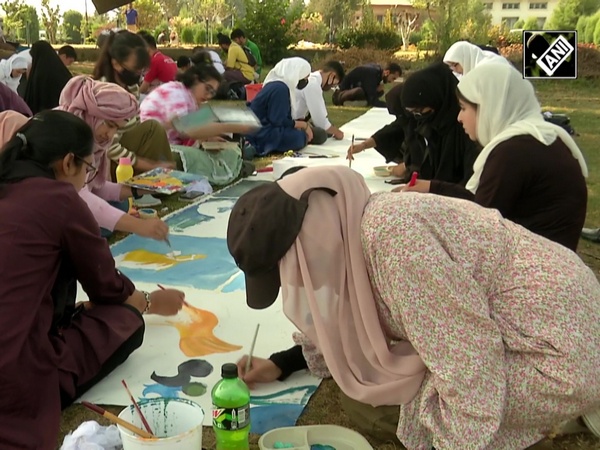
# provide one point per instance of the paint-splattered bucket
(176, 423)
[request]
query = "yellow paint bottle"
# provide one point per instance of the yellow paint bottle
(125, 173)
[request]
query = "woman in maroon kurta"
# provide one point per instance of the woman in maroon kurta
(52, 350)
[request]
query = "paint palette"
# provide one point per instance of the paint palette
(163, 181)
(302, 438)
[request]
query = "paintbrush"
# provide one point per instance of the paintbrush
(137, 408)
(249, 361)
(163, 288)
(351, 153)
(114, 419)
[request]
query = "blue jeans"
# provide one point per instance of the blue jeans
(123, 206)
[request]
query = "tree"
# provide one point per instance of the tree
(581, 27)
(150, 14)
(407, 24)
(170, 7)
(449, 24)
(270, 21)
(212, 10)
(71, 26)
(531, 24)
(335, 12)
(567, 12)
(591, 27)
(50, 19)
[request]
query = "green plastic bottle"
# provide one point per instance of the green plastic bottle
(231, 410)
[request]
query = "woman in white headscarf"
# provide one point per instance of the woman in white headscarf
(12, 69)
(531, 170)
(462, 57)
(273, 106)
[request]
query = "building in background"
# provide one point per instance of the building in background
(511, 11)
(397, 7)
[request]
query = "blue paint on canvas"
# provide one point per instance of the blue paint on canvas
(269, 417)
(211, 273)
(159, 390)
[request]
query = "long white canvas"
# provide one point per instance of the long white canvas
(182, 354)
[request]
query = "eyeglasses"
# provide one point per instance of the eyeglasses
(210, 90)
(90, 170)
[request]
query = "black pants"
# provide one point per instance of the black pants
(118, 358)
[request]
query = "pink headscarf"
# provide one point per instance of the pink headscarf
(328, 296)
(10, 122)
(97, 101)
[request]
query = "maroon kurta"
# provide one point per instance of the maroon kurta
(45, 228)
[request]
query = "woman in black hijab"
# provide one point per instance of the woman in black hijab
(397, 139)
(46, 79)
(429, 95)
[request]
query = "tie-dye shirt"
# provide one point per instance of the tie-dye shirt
(166, 102)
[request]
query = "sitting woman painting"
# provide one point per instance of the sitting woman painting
(273, 106)
(54, 350)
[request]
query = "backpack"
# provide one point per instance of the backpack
(250, 56)
(562, 120)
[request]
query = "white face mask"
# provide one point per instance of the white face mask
(457, 75)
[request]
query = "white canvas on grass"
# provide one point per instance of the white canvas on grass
(214, 287)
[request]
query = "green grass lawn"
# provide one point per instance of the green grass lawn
(579, 99)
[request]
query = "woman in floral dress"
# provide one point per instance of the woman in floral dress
(485, 334)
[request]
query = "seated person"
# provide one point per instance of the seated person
(162, 68)
(474, 356)
(12, 70)
(46, 78)
(11, 101)
(395, 140)
(310, 102)
(273, 106)
(162, 38)
(67, 54)
(183, 64)
(54, 350)
(178, 98)
(366, 83)
(237, 61)
(462, 57)
(530, 170)
(240, 38)
(429, 95)
(199, 56)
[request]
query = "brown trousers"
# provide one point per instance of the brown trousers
(147, 140)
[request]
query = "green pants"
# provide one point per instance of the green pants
(380, 423)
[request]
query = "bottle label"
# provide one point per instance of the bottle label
(231, 419)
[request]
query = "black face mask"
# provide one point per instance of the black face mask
(302, 84)
(129, 78)
(423, 118)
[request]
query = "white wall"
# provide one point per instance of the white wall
(504, 10)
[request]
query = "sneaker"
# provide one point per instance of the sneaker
(591, 234)
(146, 201)
(592, 421)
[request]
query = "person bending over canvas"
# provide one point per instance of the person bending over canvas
(54, 350)
(531, 170)
(273, 106)
(106, 108)
(435, 305)
(366, 83)
(310, 104)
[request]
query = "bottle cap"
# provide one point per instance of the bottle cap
(229, 370)
(125, 161)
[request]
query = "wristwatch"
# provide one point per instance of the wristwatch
(148, 302)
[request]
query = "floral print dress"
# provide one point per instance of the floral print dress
(507, 322)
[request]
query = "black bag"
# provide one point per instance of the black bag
(562, 120)
(250, 56)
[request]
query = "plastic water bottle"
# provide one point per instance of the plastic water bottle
(231, 410)
(125, 173)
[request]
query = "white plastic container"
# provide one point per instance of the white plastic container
(303, 437)
(176, 423)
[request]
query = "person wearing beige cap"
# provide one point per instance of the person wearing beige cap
(481, 333)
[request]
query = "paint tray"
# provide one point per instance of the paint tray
(303, 437)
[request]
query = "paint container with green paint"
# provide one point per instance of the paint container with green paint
(176, 423)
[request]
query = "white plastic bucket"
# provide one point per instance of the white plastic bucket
(176, 423)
